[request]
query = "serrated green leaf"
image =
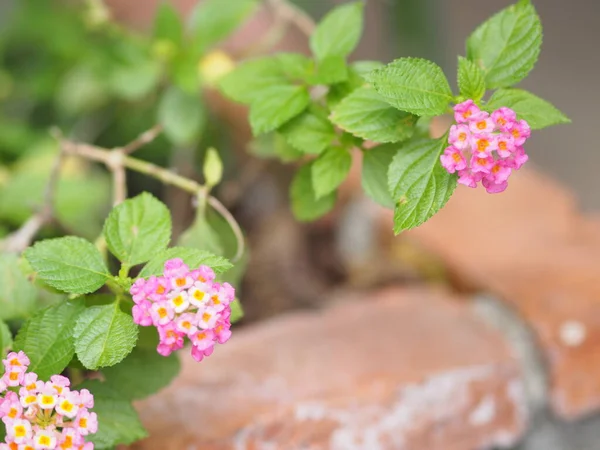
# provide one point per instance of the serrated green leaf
(69, 264)
(167, 24)
(118, 422)
(507, 45)
(366, 115)
(104, 336)
(339, 31)
(414, 85)
(47, 338)
(537, 112)
(278, 105)
(138, 229)
(237, 312)
(143, 373)
(6, 341)
(419, 184)
(212, 21)
(252, 78)
(17, 294)
(471, 79)
(305, 205)
(329, 170)
(182, 115)
(376, 163)
(191, 256)
(330, 70)
(311, 132)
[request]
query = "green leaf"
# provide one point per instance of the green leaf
(471, 79)
(6, 341)
(47, 338)
(237, 312)
(311, 132)
(366, 115)
(339, 31)
(294, 66)
(17, 294)
(419, 184)
(329, 170)
(305, 204)
(376, 163)
(143, 373)
(212, 21)
(332, 69)
(104, 336)
(537, 112)
(138, 229)
(118, 422)
(69, 264)
(339, 91)
(201, 236)
(252, 78)
(191, 256)
(212, 168)
(278, 105)
(414, 85)
(182, 115)
(507, 45)
(167, 24)
(274, 145)
(364, 68)
(134, 80)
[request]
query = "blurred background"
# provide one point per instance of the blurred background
(89, 68)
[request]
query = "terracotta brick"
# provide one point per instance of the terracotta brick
(532, 246)
(399, 369)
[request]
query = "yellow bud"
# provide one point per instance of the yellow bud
(214, 66)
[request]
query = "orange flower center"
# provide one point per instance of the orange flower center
(482, 144)
(462, 136)
(162, 312)
(456, 157)
(481, 125)
(160, 289)
(502, 145)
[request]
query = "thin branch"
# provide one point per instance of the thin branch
(235, 227)
(143, 139)
(22, 238)
(293, 14)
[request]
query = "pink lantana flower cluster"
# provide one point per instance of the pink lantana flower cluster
(184, 303)
(485, 147)
(42, 415)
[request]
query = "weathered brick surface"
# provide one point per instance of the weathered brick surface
(532, 246)
(396, 370)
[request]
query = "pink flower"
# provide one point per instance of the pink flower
(505, 145)
(504, 118)
(467, 111)
(179, 301)
(170, 335)
(16, 361)
(141, 313)
(162, 313)
(175, 268)
(203, 274)
(59, 384)
(492, 187)
(459, 137)
(482, 125)
(520, 132)
(453, 159)
(199, 355)
(86, 399)
(222, 332)
(86, 423)
(469, 179)
(138, 292)
(500, 172)
(481, 164)
(158, 288)
(13, 376)
(186, 323)
(483, 144)
(203, 339)
(207, 318)
(518, 158)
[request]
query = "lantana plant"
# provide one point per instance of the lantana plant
(88, 326)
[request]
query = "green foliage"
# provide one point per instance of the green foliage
(118, 422)
(104, 336)
(17, 294)
(311, 132)
(414, 85)
(507, 45)
(182, 115)
(277, 105)
(376, 162)
(329, 170)
(212, 21)
(306, 205)
(6, 341)
(167, 24)
(537, 112)
(471, 79)
(69, 264)
(339, 31)
(47, 338)
(191, 256)
(213, 167)
(138, 229)
(237, 312)
(366, 115)
(143, 373)
(252, 78)
(419, 185)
